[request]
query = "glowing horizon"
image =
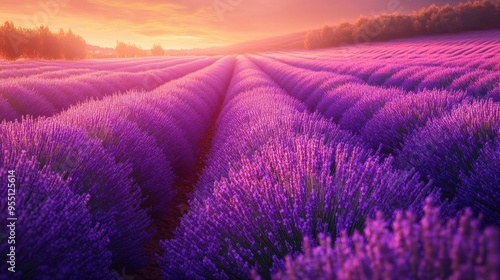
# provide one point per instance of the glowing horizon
(177, 24)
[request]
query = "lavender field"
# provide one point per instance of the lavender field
(373, 161)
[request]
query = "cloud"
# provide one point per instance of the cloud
(211, 22)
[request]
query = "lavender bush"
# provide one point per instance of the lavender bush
(479, 186)
(448, 146)
(56, 237)
(410, 249)
(401, 116)
(25, 101)
(375, 98)
(128, 144)
(114, 198)
(291, 187)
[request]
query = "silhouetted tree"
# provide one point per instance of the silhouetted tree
(50, 44)
(73, 46)
(128, 50)
(40, 43)
(11, 41)
(314, 40)
(157, 50)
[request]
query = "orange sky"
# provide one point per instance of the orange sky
(188, 23)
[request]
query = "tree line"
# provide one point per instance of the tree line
(124, 50)
(467, 16)
(17, 42)
(41, 43)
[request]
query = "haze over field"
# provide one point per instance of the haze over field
(185, 24)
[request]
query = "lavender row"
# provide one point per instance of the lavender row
(429, 249)
(89, 169)
(179, 114)
(451, 151)
(36, 67)
(278, 173)
(40, 97)
(328, 93)
(63, 70)
(103, 151)
(388, 119)
(132, 69)
(411, 77)
(235, 118)
(400, 117)
(476, 50)
(53, 224)
(383, 117)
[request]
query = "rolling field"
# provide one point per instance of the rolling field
(340, 163)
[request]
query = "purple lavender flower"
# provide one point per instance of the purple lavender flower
(7, 113)
(427, 249)
(369, 105)
(55, 235)
(479, 187)
(401, 116)
(128, 144)
(25, 101)
(448, 146)
(114, 198)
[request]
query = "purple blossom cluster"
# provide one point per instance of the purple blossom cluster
(53, 226)
(479, 186)
(401, 116)
(114, 198)
(458, 153)
(409, 249)
(290, 174)
(448, 146)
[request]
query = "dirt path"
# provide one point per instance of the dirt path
(179, 206)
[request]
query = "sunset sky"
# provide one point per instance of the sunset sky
(191, 23)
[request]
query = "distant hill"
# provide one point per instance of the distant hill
(294, 41)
